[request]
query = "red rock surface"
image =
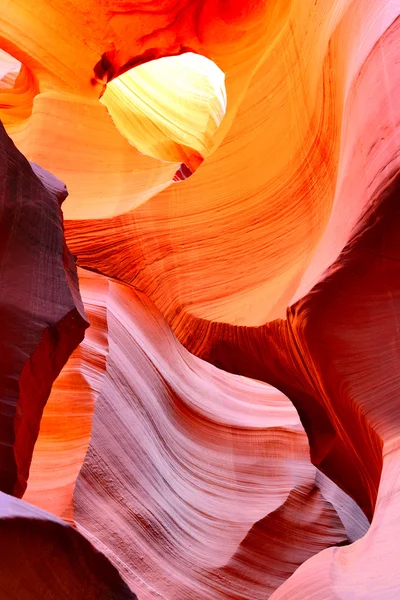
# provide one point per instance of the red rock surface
(351, 312)
(66, 423)
(43, 557)
(280, 193)
(244, 266)
(212, 442)
(365, 360)
(178, 449)
(41, 314)
(346, 397)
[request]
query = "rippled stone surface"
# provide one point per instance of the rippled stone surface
(228, 427)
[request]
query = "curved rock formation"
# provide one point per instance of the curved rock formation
(41, 313)
(352, 311)
(234, 244)
(43, 557)
(66, 423)
(197, 481)
(178, 449)
(369, 140)
(346, 397)
(364, 384)
(189, 88)
(83, 46)
(106, 246)
(171, 431)
(339, 343)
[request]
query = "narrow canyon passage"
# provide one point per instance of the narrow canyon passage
(199, 299)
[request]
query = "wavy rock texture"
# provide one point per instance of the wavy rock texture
(178, 448)
(353, 312)
(326, 356)
(197, 482)
(370, 137)
(84, 45)
(301, 131)
(66, 423)
(41, 313)
(43, 557)
(366, 359)
(343, 302)
(347, 397)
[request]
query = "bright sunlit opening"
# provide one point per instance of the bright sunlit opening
(169, 108)
(9, 69)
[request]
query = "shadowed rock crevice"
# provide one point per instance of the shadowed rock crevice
(41, 314)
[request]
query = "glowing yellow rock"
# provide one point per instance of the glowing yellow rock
(169, 108)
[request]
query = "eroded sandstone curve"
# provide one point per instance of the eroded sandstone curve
(66, 424)
(178, 449)
(41, 312)
(43, 557)
(253, 230)
(197, 480)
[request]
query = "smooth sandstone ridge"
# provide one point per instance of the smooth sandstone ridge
(41, 312)
(66, 423)
(43, 557)
(178, 449)
(228, 428)
(262, 218)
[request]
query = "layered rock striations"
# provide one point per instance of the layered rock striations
(197, 483)
(256, 226)
(347, 396)
(83, 46)
(66, 424)
(364, 384)
(228, 429)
